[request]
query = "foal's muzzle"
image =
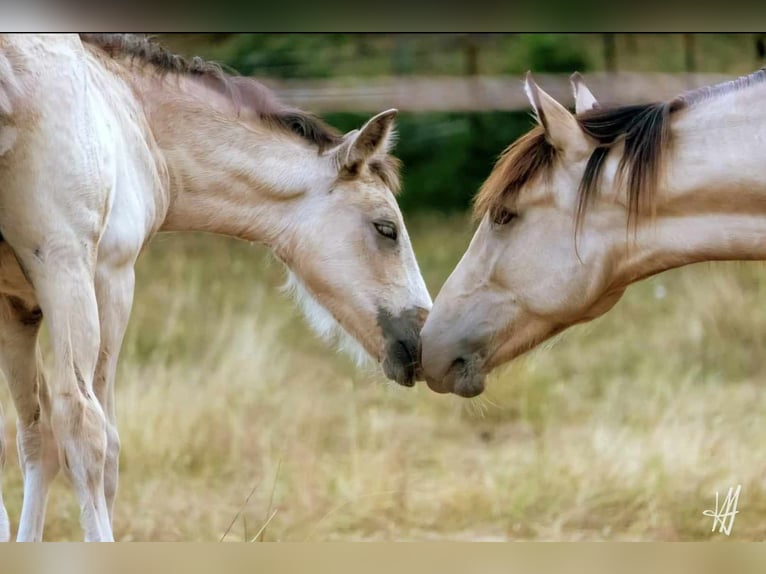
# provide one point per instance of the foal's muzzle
(401, 333)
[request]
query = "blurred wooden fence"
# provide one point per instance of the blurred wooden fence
(476, 93)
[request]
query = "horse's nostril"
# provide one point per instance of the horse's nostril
(466, 377)
(458, 363)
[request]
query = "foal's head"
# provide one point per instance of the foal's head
(537, 264)
(352, 265)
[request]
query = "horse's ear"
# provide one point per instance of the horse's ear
(374, 138)
(584, 98)
(561, 127)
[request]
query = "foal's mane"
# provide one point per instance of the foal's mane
(244, 92)
(643, 128)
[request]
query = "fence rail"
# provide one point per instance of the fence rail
(475, 93)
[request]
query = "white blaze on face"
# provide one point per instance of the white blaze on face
(323, 323)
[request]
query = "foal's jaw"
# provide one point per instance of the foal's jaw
(327, 326)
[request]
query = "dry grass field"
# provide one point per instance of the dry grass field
(622, 429)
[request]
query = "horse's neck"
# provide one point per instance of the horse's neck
(716, 162)
(230, 175)
(713, 204)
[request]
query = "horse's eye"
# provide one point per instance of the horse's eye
(386, 229)
(504, 216)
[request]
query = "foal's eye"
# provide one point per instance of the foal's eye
(504, 216)
(386, 229)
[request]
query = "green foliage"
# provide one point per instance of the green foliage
(284, 55)
(556, 53)
(368, 55)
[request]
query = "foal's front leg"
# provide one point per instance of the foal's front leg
(62, 271)
(114, 291)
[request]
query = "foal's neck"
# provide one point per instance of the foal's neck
(231, 173)
(713, 204)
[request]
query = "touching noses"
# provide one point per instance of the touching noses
(450, 359)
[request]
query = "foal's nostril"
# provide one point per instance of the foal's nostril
(403, 353)
(401, 363)
(407, 354)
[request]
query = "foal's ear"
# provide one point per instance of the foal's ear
(561, 127)
(584, 99)
(374, 138)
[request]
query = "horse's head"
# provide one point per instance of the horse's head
(532, 269)
(353, 268)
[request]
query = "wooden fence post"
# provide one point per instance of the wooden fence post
(471, 50)
(610, 53)
(690, 56)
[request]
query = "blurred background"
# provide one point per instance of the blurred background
(460, 94)
(237, 424)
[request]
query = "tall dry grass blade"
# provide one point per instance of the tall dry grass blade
(271, 500)
(241, 508)
(263, 528)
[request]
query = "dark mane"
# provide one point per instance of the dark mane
(644, 129)
(244, 92)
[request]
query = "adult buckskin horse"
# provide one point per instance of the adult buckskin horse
(106, 140)
(584, 205)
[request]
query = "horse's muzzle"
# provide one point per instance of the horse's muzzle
(463, 378)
